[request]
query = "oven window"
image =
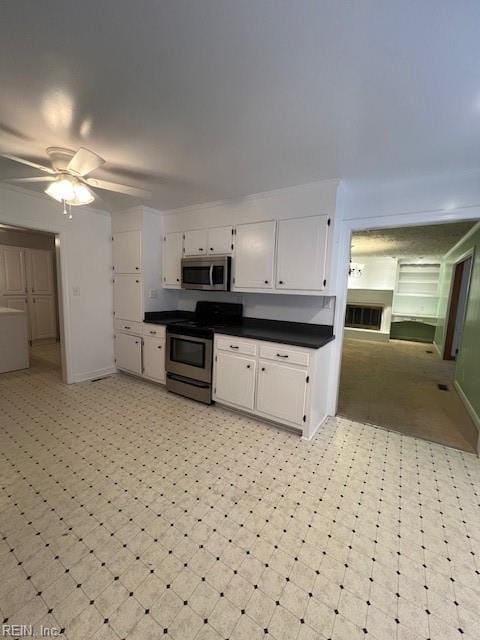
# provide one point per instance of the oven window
(196, 275)
(187, 352)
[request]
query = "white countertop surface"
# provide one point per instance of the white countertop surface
(6, 311)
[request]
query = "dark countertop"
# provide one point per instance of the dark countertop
(166, 317)
(299, 334)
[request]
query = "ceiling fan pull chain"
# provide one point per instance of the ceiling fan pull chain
(64, 207)
(70, 211)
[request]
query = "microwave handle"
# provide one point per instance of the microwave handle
(211, 275)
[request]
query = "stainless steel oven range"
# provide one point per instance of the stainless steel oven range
(189, 354)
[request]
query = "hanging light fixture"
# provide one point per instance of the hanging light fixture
(70, 190)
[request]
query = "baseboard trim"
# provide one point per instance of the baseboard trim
(91, 375)
(470, 410)
(437, 349)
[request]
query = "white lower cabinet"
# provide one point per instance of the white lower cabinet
(43, 316)
(128, 297)
(128, 352)
(281, 391)
(154, 358)
(282, 383)
(235, 379)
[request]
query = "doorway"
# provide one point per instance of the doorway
(458, 306)
(392, 371)
(29, 274)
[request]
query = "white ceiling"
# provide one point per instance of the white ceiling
(420, 241)
(221, 98)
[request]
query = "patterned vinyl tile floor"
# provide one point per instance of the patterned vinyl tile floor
(127, 512)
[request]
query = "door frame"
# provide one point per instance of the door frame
(62, 297)
(450, 324)
(343, 230)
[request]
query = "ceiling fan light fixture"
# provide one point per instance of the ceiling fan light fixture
(61, 190)
(83, 195)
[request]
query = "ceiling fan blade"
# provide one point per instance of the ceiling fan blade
(40, 167)
(118, 188)
(84, 162)
(35, 179)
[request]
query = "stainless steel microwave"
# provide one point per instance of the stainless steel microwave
(210, 273)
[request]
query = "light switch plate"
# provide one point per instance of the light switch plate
(76, 291)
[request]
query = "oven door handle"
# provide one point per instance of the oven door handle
(211, 275)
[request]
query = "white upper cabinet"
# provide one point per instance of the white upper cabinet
(220, 240)
(41, 271)
(127, 252)
(128, 297)
(14, 272)
(302, 253)
(128, 352)
(281, 392)
(235, 380)
(172, 259)
(196, 242)
(254, 255)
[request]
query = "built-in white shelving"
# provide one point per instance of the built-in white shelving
(416, 291)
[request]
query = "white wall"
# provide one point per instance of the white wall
(379, 272)
(86, 264)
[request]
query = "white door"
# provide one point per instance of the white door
(235, 380)
(40, 269)
(14, 273)
(220, 240)
(302, 253)
(195, 242)
(172, 259)
(18, 302)
(154, 358)
(43, 317)
(254, 255)
(128, 297)
(281, 391)
(128, 352)
(127, 252)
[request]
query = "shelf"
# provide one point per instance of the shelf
(417, 295)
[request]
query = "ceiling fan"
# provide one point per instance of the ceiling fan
(67, 176)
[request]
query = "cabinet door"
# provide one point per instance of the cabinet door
(128, 298)
(281, 391)
(172, 259)
(40, 268)
(235, 380)
(43, 317)
(195, 242)
(254, 255)
(127, 252)
(18, 302)
(14, 273)
(154, 358)
(128, 352)
(220, 240)
(302, 253)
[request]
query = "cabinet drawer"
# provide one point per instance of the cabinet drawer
(234, 345)
(285, 354)
(128, 327)
(154, 330)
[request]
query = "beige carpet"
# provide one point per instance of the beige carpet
(394, 385)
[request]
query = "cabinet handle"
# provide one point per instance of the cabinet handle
(137, 268)
(279, 355)
(212, 249)
(281, 282)
(137, 281)
(248, 366)
(263, 368)
(266, 281)
(159, 346)
(178, 279)
(233, 346)
(154, 333)
(128, 328)
(200, 248)
(136, 342)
